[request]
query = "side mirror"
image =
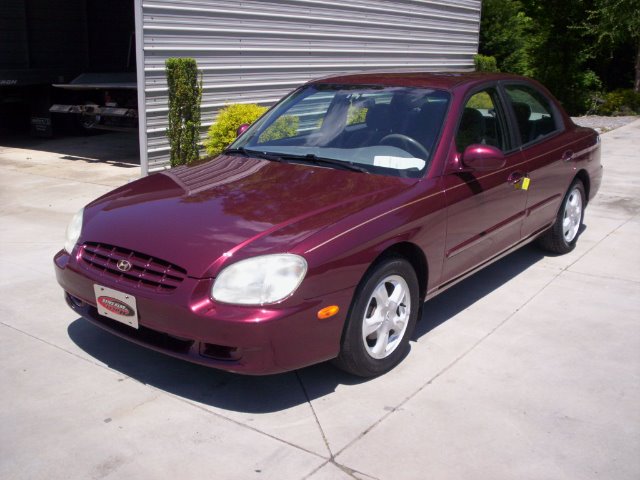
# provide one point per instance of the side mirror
(483, 158)
(241, 129)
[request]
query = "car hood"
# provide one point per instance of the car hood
(197, 217)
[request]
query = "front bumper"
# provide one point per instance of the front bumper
(187, 324)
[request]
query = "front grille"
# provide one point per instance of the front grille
(146, 272)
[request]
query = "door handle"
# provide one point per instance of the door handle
(515, 177)
(567, 156)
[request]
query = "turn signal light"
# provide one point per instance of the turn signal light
(327, 312)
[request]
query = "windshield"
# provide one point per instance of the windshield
(384, 130)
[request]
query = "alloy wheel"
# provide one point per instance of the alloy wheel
(386, 316)
(572, 215)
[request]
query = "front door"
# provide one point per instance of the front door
(485, 210)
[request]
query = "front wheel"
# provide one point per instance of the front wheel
(562, 236)
(381, 320)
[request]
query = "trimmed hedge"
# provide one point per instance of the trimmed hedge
(185, 95)
(485, 63)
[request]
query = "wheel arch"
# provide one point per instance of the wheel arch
(583, 176)
(415, 256)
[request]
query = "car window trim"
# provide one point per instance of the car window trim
(557, 117)
(512, 146)
(430, 169)
(514, 134)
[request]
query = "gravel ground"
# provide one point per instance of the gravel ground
(603, 124)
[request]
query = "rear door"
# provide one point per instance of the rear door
(546, 153)
(484, 209)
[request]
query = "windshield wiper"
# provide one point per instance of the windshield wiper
(312, 158)
(308, 158)
(253, 153)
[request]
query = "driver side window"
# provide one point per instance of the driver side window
(480, 122)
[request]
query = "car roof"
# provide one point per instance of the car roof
(439, 80)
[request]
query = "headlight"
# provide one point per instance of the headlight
(73, 231)
(260, 280)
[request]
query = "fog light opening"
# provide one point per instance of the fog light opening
(219, 352)
(75, 301)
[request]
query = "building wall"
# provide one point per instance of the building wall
(256, 51)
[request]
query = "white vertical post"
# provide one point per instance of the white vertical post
(140, 78)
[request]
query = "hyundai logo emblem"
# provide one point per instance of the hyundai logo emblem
(124, 265)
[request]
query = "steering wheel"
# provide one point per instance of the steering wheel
(407, 143)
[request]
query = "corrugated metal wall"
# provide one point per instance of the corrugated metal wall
(256, 51)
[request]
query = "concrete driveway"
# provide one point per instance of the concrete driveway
(528, 370)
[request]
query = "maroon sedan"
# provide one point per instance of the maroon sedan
(323, 228)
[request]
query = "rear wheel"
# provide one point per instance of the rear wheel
(85, 121)
(381, 320)
(562, 236)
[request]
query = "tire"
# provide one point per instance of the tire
(386, 305)
(561, 238)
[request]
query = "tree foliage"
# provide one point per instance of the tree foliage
(185, 95)
(560, 53)
(506, 33)
(616, 22)
(554, 42)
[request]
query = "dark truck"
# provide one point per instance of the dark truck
(106, 101)
(54, 54)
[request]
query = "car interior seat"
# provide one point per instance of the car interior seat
(471, 129)
(542, 127)
(377, 125)
(428, 123)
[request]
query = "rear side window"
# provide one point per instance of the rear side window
(533, 113)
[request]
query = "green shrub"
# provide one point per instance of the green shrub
(480, 100)
(284, 127)
(224, 129)
(485, 63)
(185, 94)
(620, 102)
(585, 93)
(356, 115)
